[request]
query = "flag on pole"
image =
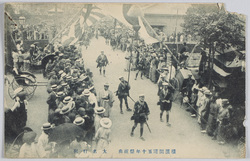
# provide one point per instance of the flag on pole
(143, 33)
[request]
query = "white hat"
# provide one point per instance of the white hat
(19, 89)
(106, 84)
(79, 121)
(99, 110)
(65, 110)
(86, 92)
(46, 126)
(106, 123)
(121, 77)
(67, 99)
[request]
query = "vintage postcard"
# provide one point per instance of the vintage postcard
(124, 80)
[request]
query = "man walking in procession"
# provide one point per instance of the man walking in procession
(102, 62)
(123, 93)
(165, 95)
(141, 112)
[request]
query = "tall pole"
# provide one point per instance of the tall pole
(176, 32)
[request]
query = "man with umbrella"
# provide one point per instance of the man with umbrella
(102, 62)
(141, 112)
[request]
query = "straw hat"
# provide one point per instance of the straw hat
(59, 94)
(46, 126)
(65, 110)
(86, 92)
(67, 99)
(99, 110)
(79, 121)
(54, 87)
(106, 122)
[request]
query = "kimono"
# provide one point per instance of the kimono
(106, 99)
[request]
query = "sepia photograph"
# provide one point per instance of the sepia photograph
(124, 80)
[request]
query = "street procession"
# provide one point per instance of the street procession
(132, 80)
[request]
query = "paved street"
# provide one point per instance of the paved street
(184, 135)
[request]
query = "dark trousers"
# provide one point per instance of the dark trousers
(126, 101)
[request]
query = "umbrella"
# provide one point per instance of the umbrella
(46, 59)
(64, 132)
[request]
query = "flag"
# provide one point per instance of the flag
(143, 33)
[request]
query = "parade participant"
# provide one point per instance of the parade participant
(106, 100)
(29, 149)
(43, 141)
(102, 62)
(141, 66)
(99, 111)
(141, 112)
(166, 98)
(103, 134)
(123, 93)
(19, 109)
(223, 120)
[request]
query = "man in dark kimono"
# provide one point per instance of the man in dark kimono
(123, 93)
(166, 98)
(141, 112)
(102, 62)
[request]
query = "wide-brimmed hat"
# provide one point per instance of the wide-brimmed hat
(54, 87)
(65, 110)
(106, 84)
(60, 72)
(64, 84)
(68, 77)
(46, 126)
(79, 121)
(99, 110)
(29, 136)
(59, 94)
(121, 77)
(63, 75)
(67, 99)
(18, 90)
(86, 92)
(106, 122)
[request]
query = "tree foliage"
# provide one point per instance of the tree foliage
(215, 26)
